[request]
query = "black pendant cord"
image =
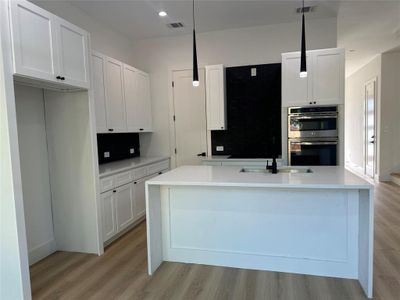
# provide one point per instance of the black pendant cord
(303, 62)
(195, 66)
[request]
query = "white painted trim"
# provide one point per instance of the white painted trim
(20, 270)
(39, 252)
(93, 133)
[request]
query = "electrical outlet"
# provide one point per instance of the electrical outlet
(132, 150)
(220, 148)
(253, 72)
(106, 154)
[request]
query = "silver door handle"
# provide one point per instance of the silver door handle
(314, 143)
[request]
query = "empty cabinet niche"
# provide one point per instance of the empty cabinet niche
(123, 199)
(57, 162)
(47, 48)
(122, 96)
(324, 83)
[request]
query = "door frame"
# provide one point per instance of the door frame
(374, 81)
(171, 111)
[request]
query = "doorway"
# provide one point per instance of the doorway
(370, 130)
(189, 116)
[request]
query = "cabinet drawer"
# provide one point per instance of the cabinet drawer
(123, 178)
(152, 169)
(139, 173)
(106, 184)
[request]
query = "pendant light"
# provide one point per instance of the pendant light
(303, 62)
(195, 67)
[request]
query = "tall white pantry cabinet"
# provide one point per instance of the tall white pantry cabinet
(122, 96)
(48, 71)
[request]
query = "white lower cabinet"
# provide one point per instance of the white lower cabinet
(109, 224)
(123, 197)
(124, 206)
(140, 197)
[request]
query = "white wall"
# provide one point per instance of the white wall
(102, 37)
(34, 172)
(255, 45)
(390, 115)
(354, 112)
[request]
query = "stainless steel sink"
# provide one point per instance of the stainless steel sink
(292, 170)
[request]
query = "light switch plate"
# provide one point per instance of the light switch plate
(253, 72)
(106, 154)
(132, 150)
(220, 148)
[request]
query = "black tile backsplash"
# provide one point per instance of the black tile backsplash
(253, 113)
(119, 146)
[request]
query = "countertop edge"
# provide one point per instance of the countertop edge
(127, 168)
(262, 185)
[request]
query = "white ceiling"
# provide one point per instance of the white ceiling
(140, 20)
(369, 27)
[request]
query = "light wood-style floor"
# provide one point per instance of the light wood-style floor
(121, 272)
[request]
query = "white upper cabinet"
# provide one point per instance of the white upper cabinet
(34, 41)
(73, 54)
(137, 100)
(115, 103)
(98, 66)
(143, 102)
(121, 96)
(324, 83)
(295, 90)
(328, 76)
(215, 97)
(45, 47)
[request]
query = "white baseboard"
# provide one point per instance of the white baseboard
(41, 251)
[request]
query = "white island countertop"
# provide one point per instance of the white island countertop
(112, 168)
(324, 177)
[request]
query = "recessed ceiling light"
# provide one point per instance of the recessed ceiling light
(162, 14)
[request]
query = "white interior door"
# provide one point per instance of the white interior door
(370, 95)
(190, 118)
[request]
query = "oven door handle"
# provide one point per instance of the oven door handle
(314, 143)
(313, 117)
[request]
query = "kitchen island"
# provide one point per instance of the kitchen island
(317, 223)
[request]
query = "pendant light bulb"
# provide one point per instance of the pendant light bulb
(303, 58)
(195, 66)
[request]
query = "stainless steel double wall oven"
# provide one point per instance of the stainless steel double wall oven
(313, 136)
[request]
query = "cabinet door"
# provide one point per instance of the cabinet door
(124, 206)
(328, 76)
(115, 105)
(140, 198)
(34, 42)
(215, 97)
(73, 54)
(143, 102)
(108, 210)
(133, 117)
(98, 66)
(295, 90)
